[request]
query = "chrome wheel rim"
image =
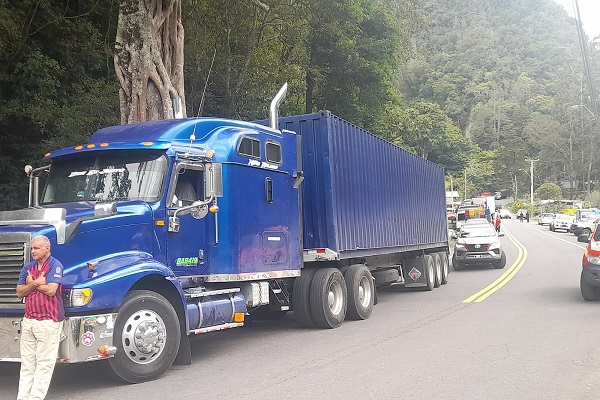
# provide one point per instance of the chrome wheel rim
(144, 336)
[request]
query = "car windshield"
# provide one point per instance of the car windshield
(563, 216)
(481, 231)
(476, 221)
(116, 175)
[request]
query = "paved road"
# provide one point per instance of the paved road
(532, 338)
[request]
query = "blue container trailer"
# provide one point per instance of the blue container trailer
(168, 229)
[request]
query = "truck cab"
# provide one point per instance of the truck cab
(174, 210)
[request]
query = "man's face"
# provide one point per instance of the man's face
(38, 250)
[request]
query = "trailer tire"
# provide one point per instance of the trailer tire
(437, 263)
(150, 315)
(361, 292)
(328, 298)
(301, 298)
(445, 267)
(429, 268)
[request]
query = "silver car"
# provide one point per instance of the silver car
(478, 244)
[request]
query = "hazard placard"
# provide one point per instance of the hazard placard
(414, 273)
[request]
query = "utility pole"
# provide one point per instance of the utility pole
(531, 160)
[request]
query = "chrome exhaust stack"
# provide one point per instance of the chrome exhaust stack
(274, 108)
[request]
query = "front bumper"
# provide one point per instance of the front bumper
(478, 257)
(81, 339)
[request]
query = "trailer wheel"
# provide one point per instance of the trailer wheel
(437, 263)
(361, 292)
(445, 267)
(328, 298)
(147, 335)
(430, 270)
(301, 298)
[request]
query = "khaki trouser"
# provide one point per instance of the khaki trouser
(39, 348)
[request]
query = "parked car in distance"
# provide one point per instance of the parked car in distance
(584, 227)
(545, 218)
(505, 213)
(478, 244)
(589, 282)
(561, 222)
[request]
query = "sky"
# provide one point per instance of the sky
(590, 15)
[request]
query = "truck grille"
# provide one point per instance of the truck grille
(12, 259)
(478, 247)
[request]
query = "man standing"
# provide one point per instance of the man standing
(40, 283)
(497, 222)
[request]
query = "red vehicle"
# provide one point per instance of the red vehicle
(590, 274)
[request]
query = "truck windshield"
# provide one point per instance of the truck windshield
(119, 175)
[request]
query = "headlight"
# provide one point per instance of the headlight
(460, 246)
(594, 259)
(495, 245)
(77, 297)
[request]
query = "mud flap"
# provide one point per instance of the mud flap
(184, 354)
(414, 272)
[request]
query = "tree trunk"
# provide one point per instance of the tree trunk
(149, 59)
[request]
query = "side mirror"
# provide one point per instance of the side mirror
(584, 238)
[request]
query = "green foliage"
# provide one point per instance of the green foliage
(548, 191)
(476, 87)
(55, 80)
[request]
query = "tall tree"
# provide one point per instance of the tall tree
(149, 59)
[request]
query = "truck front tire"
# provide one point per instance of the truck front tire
(147, 335)
(361, 292)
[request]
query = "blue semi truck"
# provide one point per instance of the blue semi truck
(174, 228)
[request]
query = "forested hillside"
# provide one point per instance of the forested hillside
(508, 73)
(477, 88)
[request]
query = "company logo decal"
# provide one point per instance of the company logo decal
(186, 261)
(263, 164)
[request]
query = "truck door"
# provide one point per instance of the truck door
(186, 248)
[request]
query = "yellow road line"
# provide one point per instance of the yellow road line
(505, 277)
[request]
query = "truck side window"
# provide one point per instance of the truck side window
(273, 152)
(187, 188)
(249, 147)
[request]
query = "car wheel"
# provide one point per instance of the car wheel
(588, 292)
(586, 232)
(502, 263)
(456, 264)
